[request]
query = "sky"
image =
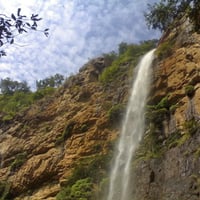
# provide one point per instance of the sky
(79, 31)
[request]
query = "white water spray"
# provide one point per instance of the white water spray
(132, 132)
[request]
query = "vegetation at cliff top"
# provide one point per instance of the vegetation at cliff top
(163, 14)
(16, 96)
(127, 54)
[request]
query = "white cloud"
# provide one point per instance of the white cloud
(79, 29)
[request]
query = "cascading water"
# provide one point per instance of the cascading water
(132, 131)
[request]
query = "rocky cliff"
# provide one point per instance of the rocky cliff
(168, 161)
(41, 146)
(65, 141)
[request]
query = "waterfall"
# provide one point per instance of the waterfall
(131, 133)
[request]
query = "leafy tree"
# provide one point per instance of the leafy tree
(52, 81)
(9, 86)
(16, 24)
(109, 57)
(162, 15)
(194, 14)
(123, 46)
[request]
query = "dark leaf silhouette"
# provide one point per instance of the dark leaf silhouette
(46, 34)
(10, 27)
(13, 16)
(28, 24)
(18, 11)
(12, 41)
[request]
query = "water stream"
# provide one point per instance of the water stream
(131, 133)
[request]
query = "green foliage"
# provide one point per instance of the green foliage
(81, 190)
(116, 113)
(162, 15)
(151, 146)
(157, 113)
(8, 117)
(18, 101)
(128, 53)
(135, 51)
(84, 128)
(97, 148)
(164, 103)
(109, 74)
(16, 96)
(4, 190)
(123, 46)
(50, 82)
(9, 87)
(87, 173)
(189, 90)
(90, 167)
(197, 153)
(66, 133)
(157, 116)
(109, 58)
(102, 189)
(191, 126)
(194, 14)
(155, 144)
(41, 93)
(195, 180)
(11, 104)
(174, 139)
(165, 49)
(173, 108)
(19, 161)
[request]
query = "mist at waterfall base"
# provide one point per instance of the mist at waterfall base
(120, 186)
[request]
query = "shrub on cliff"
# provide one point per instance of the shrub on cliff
(165, 49)
(116, 113)
(189, 90)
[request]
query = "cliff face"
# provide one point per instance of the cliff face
(74, 129)
(40, 146)
(168, 162)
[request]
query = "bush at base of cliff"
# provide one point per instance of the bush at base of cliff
(88, 171)
(81, 190)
